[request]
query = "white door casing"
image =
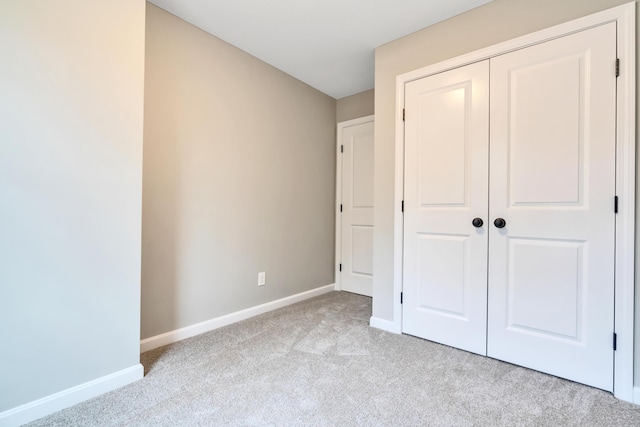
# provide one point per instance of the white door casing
(552, 179)
(446, 168)
(624, 17)
(354, 256)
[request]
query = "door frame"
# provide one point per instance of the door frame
(338, 246)
(625, 18)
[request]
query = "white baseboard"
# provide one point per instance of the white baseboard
(385, 325)
(636, 395)
(218, 322)
(56, 402)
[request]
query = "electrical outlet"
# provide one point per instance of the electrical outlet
(262, 278)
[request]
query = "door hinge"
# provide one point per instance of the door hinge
(615, 204)
(340, 207)
(615, 341)
(403, 114)
(342, 148)
(402, 206)
(617, 67)
(340, 267)
(400, 297)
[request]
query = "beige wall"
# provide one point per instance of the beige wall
(355, 106)
(239, 177)
(492, 23)
(71, 112)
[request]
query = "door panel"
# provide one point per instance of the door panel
(446, 162)
(357, 209)
(546, 286)
(442, 170)
(552, 179)
(441, 274)
(361, 246)
(362, 173)
(546, 149)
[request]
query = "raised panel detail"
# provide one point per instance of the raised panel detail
(443, 133)
(546, 136)
(362, 249)
(362, 170)
(546, 282)
(442, 273)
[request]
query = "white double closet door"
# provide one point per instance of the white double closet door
(526, 139)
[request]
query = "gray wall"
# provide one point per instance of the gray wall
(355, 106)
(492, 23)
(239, 177)
(71, 112)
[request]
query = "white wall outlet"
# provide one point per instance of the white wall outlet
(262, 278)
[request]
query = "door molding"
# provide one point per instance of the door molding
(338, 247)
(624, 16)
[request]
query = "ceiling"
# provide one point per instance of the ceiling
(328, 44)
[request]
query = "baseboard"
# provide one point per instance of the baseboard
(636, 395)
(53, 403)
(218, 322)
(385, 325)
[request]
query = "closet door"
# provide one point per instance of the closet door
(446, 167)
(552, 181)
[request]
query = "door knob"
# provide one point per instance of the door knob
(477, 222)
(499, 222)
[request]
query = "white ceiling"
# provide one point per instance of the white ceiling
(328, 44)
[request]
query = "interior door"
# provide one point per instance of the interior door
(551, 267)
(446, 170)
(357, 209)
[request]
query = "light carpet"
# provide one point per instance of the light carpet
(318, 363)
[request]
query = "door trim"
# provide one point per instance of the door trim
(338, 246)
(625, 18)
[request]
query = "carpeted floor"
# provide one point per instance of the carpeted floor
(318, 363)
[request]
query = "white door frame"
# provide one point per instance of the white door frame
(625, 18)
(340, 127)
